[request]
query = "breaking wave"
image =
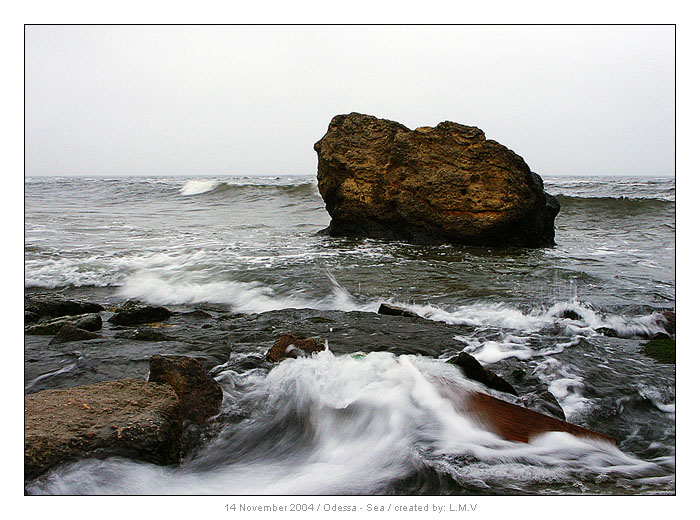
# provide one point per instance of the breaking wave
(341, 425)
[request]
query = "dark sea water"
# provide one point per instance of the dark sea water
(246, 251)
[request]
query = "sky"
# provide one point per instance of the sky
(252, 100)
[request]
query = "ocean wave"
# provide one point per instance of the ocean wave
(267, 187)
(338, 425)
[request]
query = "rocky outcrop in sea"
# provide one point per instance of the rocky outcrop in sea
(449, 183)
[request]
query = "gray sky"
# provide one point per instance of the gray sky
(253, 99)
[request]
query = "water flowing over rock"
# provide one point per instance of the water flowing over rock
(124, 418)
(449, 183)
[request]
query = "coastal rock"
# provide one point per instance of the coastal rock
(472, 369)
(30, 317)
(52, 305)
(291, 346)
(199, 395)
(89, 322)
(393, 310)
(69, 333)
(134, 312)
(125, 418)
(449, 183)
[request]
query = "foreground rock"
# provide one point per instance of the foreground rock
(473, 370)
(134, 312)
(127, 418)
(291, 346)
(89, 322)
(52, 305)
(199, 395)
(379, 179)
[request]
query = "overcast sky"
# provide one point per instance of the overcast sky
(571, 100)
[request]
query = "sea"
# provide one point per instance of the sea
(364, 417)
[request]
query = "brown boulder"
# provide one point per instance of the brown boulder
(291, 346)
(380, 179)
(200, 396)
(125, 418)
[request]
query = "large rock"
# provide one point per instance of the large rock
(379, 179)
(291, 346)
(89, 322)
(200, 396)
(126, 418)
(134, 312)
(52, 305)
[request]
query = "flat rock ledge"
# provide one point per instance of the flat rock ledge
(128, 418)
(447, 184)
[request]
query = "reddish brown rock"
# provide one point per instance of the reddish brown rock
(125, 418)
(200, 396)
(291, 346)
(380, 179)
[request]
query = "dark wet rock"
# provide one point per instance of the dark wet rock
(124, 418)
(542, 400)
(472, 369)
(380, 179)
(662, 350)
(69, 333)
(53, 305)
(30, 317)
(394, 310)
(144, 334)
(291, 346)
(200, 396)
(134, 312)
(89, 322)
(571, 315)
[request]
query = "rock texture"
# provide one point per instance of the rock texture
(134, 312)
(291, 346)
(379, 179)
(127, 418)
(200, 396)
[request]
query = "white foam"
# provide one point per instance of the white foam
(197, 187)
